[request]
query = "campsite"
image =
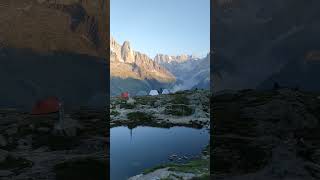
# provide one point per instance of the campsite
(166, 119)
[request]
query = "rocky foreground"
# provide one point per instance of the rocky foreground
(266, 135)
(32, 148)
(186, 108)
(196, 169)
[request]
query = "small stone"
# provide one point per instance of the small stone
(12, 131)
(131, 101)
(43, 129)
(3, 141)
(5, 173)
(3, 155)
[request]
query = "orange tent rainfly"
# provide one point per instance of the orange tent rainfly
(46, 106)
(125, 95)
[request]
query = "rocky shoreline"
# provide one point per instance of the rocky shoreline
(195, 169)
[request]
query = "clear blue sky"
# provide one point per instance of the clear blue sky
(162, 26)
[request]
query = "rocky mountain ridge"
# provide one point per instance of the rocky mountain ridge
(163, 58)
(125, 62)
(190, 71)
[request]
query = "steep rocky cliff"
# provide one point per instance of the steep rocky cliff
(138, 65)
(136, 68)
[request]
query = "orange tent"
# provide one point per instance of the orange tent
(125, 95)
(46, 106)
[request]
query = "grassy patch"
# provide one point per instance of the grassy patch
(195, 166)
(114, 113)
(178, 110)
(127, 106)
(139, 116)
(179, 99)
(146, 100)
(85, 169)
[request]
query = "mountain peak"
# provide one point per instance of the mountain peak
(162, 58)
(127, 53)
(126, 62)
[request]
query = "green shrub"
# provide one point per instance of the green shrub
(178, 110)
(114, 113)
(139, 116)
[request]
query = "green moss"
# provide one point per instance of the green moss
(146, 100)
(195, 166)
(150, 170)
(139, 116)
(179, 99)
(127, 106)
(114, 113)
(85, 169)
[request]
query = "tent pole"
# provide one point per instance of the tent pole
(61, 114)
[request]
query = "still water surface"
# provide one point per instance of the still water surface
(132, 151)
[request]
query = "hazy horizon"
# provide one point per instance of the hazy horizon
(171, 27)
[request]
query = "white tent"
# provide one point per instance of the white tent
(153, 93)
(165, 91)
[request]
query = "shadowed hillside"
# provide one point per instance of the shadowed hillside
(28, 76)
(54, 48)
(263, 40)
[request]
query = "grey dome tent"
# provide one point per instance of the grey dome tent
(153, 93)
(165, 91)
